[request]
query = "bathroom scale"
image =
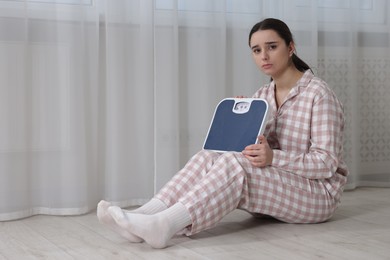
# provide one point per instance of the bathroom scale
(236, 123)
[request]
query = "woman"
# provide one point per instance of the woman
(295, 173)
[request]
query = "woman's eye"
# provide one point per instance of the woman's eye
(256, 51)
(272, 47)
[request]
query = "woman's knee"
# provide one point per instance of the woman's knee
(235, 158)
(229, 155)
(206, 154)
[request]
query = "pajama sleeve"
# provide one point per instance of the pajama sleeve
(321, 160)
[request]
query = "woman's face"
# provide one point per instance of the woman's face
(270, 52)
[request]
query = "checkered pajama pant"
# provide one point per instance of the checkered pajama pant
(211, 185)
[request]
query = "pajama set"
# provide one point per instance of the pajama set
(305, 181)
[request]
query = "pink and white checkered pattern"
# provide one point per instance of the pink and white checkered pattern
(306, 132)
(305, 181)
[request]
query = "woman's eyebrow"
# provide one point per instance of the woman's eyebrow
(269, 43)
(266, 43)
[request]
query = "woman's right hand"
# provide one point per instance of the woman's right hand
(260, 154)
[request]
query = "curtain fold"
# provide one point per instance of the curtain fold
(108, 99)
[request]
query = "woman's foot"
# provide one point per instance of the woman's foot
(156, 229)
(105, 218)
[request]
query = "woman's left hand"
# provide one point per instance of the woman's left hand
(260, 154)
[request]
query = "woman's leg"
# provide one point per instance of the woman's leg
(204, 200)
(233, 182)
(192, 173)
(289, 197)
(217, 193)
(196, 167)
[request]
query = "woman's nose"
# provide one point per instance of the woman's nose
(264, 55)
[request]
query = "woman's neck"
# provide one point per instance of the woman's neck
(284, 83)
(288, 79)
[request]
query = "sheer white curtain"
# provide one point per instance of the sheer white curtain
(108, 99)
(76, 105)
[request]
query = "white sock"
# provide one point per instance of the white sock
(105, 218)
(153, 206)
(155, 229)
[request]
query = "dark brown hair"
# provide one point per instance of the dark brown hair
(284, 32)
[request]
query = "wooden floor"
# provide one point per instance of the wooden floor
(359, 230)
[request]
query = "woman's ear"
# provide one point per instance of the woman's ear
(291, 49)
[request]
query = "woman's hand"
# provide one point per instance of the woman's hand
(260, 154)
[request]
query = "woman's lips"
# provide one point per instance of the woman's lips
(266, 66)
